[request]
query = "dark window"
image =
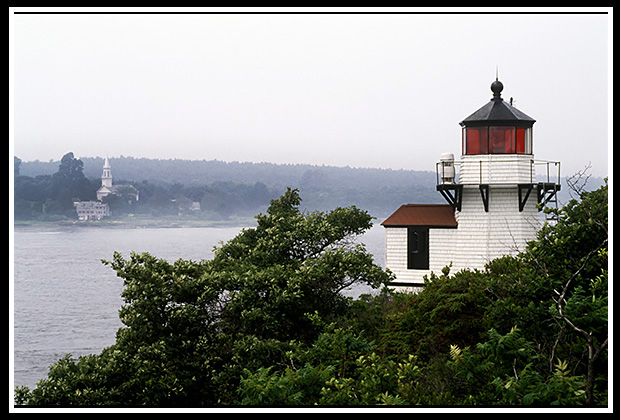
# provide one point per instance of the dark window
(417, 248)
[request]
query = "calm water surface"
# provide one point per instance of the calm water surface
(67, 301)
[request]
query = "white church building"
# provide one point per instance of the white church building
(96, 210)
(106, 181)
(493, 195)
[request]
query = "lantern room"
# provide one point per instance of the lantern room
(497, 128)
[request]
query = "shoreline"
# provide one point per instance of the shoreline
(136, 223)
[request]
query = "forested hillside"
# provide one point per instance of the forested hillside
(205, 172)
(223, 189)
(227, 189)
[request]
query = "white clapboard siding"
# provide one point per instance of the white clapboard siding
(480, 236)
(496, 169)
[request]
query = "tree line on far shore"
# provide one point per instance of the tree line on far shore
(47, 190)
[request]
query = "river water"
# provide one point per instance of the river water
(66, 301)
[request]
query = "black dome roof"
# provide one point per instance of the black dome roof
(497, 112)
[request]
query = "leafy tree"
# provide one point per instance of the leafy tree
(572, 258)
(52, 195)
(191, 328)
(340, 368)
(500, 371)
(448, 311)
(69, 182)
(70, 168)
(556, 292)
(294, 264)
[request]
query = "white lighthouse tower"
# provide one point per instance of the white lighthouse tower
(494, 199)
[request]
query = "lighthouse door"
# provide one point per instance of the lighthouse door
(417, 248)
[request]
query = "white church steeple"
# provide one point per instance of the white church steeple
(106, 177)
(106, 181)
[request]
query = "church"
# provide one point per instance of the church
(128, 192)
(106, 181)
(494, 199)
(96, 210)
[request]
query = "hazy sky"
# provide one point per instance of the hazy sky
(364, 90)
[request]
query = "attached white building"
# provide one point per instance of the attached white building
(493, 199)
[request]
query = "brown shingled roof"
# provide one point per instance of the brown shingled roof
(432, 215)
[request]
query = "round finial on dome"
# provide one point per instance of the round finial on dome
(496, 88)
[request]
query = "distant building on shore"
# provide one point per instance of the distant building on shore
(96, 210)
(91, 210)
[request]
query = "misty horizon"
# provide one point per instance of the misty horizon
(347, 90)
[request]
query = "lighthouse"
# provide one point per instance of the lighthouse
(493, 199)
